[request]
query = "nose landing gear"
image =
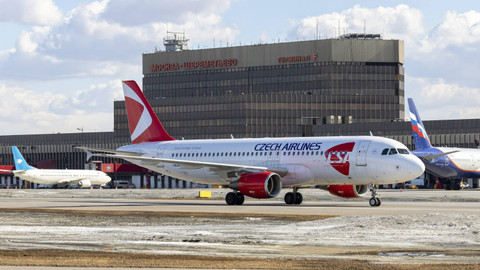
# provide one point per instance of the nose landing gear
(374, 200)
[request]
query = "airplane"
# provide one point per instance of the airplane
(82, 178)
(259, 168)
(448, 163)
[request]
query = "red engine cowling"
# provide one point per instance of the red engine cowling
(348, 191)
(260, 185)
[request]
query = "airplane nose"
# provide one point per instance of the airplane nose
(417, 167)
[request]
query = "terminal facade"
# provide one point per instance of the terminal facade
(275, 90)
(351, 85)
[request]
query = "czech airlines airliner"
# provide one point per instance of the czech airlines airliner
(260, 168)
(83, 178)
(444, 162)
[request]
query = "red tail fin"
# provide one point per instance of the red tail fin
(144, 124)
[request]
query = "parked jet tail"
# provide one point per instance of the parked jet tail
(420, 135)
(20, 163)
(144, 124)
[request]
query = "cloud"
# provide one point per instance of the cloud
(34, 12)
(133, 13)
(96, 39)
(399, 22)
(25, 110)
(438, 99)
(456, 29)
(450, 51)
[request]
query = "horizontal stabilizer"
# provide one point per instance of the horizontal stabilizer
(432, 157)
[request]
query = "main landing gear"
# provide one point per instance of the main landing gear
(233, 198)
(294, 197)
(374, 201)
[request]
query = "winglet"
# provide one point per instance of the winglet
(142, 121)
(20, 163)
(420, 135)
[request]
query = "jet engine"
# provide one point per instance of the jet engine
(260, 185)
(348, 191)
(85, 183)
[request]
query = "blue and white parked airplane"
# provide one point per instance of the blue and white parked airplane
(82, 178)
(444, 162)
(260, 168)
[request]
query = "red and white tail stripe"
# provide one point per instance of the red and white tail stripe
(142, 121)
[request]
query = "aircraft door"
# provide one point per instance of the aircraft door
(161, 150)
(361, 157)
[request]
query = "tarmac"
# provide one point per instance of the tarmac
(411, 226)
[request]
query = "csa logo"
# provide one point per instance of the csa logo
(339, 157)
(139, 113)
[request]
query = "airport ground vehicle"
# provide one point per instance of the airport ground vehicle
(123, 184)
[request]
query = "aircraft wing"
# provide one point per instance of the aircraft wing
(432, 157)
(71, 181)
(225, 170)
(8, 171)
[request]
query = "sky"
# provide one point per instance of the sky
(62, 62)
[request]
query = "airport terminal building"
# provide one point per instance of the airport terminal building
(274, 90)
(351, 85)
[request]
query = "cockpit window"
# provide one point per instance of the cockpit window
(403, 151)
(385, 151)
(393, 151)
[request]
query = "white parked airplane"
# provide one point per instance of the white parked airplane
(260, 168)
(83, 178)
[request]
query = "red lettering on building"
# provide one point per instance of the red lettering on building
(195, 65)
(210, 64)
(165, 67)
(293, 59)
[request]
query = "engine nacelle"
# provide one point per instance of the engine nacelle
(85, 183)
(260, 185)
(348, 191)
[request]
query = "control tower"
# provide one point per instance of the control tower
(175, 41)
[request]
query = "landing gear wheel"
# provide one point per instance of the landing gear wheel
(374, 200)
(231, 198)
(298, 198)
(289, 198)
(240, 199)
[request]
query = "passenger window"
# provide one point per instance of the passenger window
(385, 151)
(393, 151)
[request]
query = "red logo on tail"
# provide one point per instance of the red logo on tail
(144, 124)
(339, 157)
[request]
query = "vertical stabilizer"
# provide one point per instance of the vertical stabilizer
(420, 135)
(142, 121)
(20, 163)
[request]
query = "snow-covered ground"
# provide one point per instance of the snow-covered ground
(433, 237)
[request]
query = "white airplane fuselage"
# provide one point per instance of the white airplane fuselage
(307, 161)
(59, 177)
